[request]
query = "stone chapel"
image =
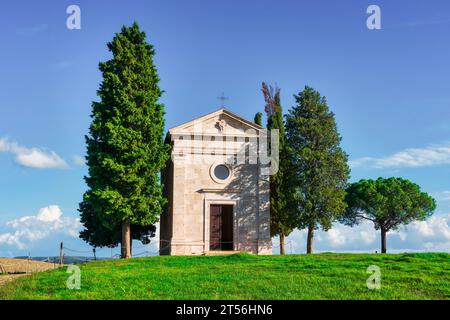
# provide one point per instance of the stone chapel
(218, 196)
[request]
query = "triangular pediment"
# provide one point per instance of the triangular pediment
(221, 121)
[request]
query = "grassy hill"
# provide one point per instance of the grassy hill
(244, 276)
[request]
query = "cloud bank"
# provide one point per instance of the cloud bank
(430, 235)
(32, 157)
(79, 160)
(443, 196)
(48, 221)
(411, 157)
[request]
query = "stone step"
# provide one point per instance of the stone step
(221, 252)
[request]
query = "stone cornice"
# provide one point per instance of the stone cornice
(213, 190)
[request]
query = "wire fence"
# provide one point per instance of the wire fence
(165, 246)
(69, 255)
(26, 265)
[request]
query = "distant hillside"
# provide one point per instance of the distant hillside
(245, 276)
(67, 260)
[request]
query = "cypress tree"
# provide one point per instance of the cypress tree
(318, 165)
(125, 147)
(281, 217)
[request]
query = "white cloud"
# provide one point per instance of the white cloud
(430, 235)
(32, 157)
(9, 239)
(443, 196)
(412, 157)
(367, 236)
(437, 226)
(48, 221)
(359, 162)
(79, 160)
(336, 238)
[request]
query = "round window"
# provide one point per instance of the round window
(221, 172)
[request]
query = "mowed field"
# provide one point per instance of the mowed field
(16, 266)
(245, 276)
(10, 269)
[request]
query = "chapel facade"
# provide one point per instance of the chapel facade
(217, 188)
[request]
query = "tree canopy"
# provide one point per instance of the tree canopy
(258, 118)
(281, 217)
(388, 203)
(125, 147)
(318, 169)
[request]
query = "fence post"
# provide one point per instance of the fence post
(61, 254)
(28, 263)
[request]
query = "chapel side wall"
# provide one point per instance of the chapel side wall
(178, 241)
(166, 219)
(196, 178)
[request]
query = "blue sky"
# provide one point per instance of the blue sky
(389, 89)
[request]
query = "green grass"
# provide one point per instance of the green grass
(245, 276)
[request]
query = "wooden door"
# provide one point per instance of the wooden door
(215, 227)
(227, 227)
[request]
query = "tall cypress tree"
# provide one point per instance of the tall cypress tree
(319, 169)
(125, 147)
(281, 217)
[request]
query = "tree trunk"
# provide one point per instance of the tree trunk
(131, 244)
(126, 245)
(383, 240)
(282, 249)
(309, 240)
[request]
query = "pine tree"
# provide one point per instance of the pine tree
(125, 147)
(281, 218)
(388, 203)
(319, 170)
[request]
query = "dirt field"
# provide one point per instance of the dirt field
(9, 277)
(10, 269)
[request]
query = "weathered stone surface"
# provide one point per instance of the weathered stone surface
(191, 186)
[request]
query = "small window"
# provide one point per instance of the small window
(221, 172)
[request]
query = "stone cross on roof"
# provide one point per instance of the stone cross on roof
(222, 98)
